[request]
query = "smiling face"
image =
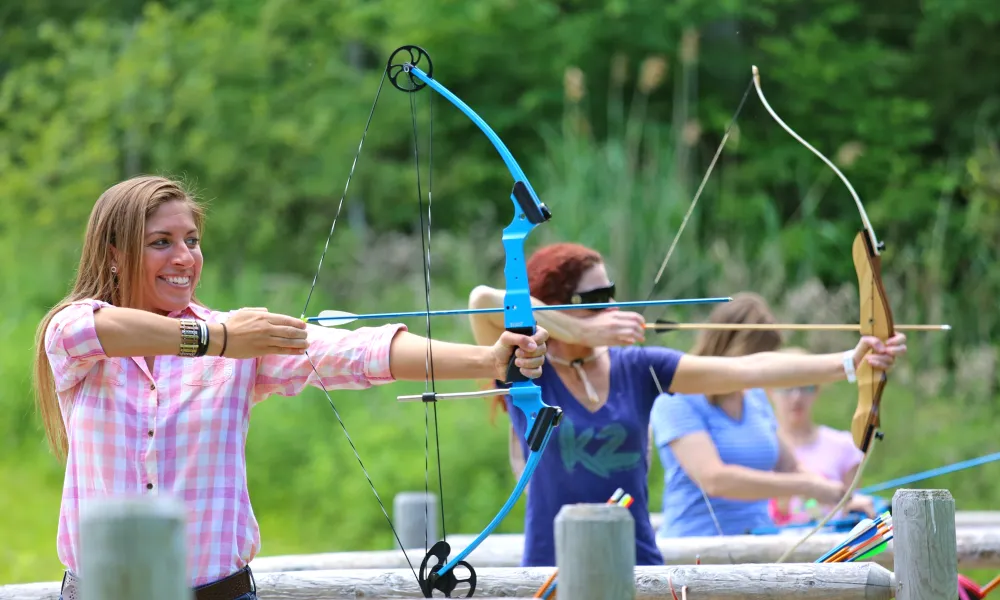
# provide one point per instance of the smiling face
(171, 258)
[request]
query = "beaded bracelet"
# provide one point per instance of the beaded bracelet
(189, 338)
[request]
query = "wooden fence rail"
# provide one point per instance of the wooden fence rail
(595, 556)
(846, 581)
(976, 549)
(415, 515)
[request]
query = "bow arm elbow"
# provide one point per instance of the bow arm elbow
(483, 296)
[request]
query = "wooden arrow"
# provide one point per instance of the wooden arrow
(662, 325)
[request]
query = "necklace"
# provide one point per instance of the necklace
(577, 364)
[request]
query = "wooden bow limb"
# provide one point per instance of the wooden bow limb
(876, 320)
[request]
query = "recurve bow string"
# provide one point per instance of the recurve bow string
(666, 259)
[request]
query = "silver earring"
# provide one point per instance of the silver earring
(114, 270)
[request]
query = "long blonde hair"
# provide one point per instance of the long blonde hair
(744, 308)
(117, 220)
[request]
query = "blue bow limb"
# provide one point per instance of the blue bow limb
(529, 212)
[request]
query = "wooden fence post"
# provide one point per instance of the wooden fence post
(595, 552)
(926, 557)
(415, 516)
(133, 548)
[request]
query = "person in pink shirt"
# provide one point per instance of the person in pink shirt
(144, 390)
(817, 448)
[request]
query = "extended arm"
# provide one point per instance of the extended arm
(134, 332)
(248, 333)
(487, 327)
(713, 375)
(408, 359)
(255, 332)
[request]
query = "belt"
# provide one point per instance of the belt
(234, 586)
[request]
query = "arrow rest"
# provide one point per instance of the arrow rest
(446, 583)
(395, 70)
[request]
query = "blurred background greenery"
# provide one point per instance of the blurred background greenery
(614, 110)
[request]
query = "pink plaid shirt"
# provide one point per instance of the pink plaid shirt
(181, 429)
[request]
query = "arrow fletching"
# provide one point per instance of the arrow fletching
(335, 318)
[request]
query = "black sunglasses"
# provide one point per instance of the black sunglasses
(601, 295)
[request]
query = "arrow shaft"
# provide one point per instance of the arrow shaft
(936, 472)
(481, 311)
(453, 395)
(780, 327)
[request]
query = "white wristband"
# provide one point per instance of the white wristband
(848, 360)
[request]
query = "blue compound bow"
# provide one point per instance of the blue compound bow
(409, 69)
(405, 74)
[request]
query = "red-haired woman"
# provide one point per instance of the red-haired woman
(604, 386)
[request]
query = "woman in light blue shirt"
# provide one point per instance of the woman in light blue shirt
(728, 443)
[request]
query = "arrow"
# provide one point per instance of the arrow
(935, 472)
(335, 318)
(662, 325)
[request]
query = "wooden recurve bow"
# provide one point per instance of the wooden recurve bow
(875, 320)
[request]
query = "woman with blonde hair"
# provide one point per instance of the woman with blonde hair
(817, 448)
(146, 391)
(722, 457)
(606, 387)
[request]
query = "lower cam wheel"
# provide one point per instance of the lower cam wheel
(431, 579)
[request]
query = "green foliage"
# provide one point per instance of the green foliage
(613, 108)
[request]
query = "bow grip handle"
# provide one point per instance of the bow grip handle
(514, 374)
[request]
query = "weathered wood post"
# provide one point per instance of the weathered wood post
(926, 557)
(415, 515)
(133, 548)
(595, 552)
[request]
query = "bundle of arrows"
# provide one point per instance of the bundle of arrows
(868, 538)
(548, 588)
